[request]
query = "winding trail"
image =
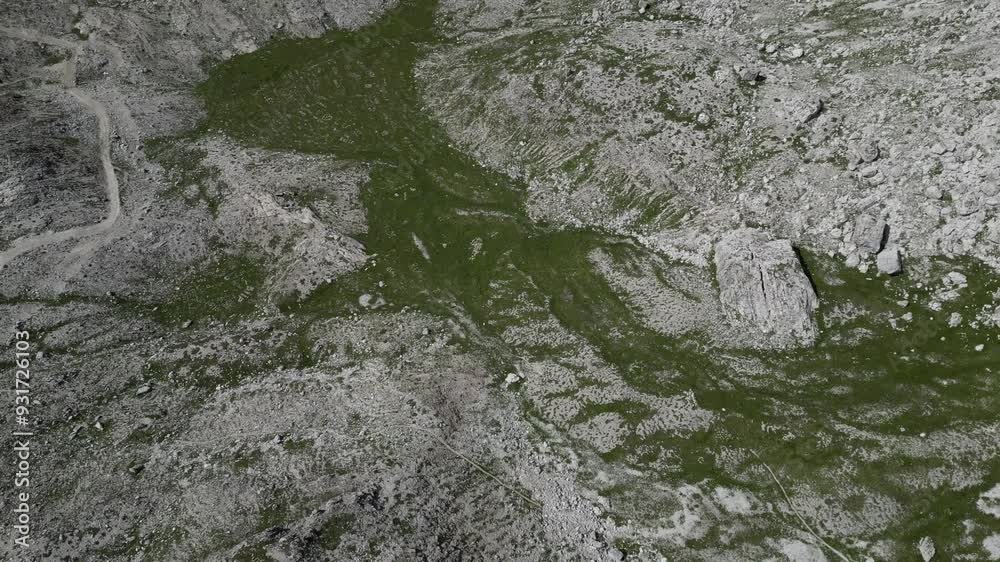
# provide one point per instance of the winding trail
(29, 243)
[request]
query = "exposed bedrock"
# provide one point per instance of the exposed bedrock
(762, 284)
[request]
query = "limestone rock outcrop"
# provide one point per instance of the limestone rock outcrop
(762, 284)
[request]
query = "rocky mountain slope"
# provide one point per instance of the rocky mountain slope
(491, 280)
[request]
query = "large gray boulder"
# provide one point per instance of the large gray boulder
(762, 284)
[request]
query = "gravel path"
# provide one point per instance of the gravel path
(29, 243)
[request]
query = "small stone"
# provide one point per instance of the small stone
(796, 53)
(908, 317)
(954, 320)
(980, 347)
(817, 110)
(136, 468)
(869, 171)
(512, 378)
(934, 192)
(144, 389)
(751, 75)
(186, 324)
(967, 206)
(938, 149)
(852, 261)
(889, 261)
(956, 278)
(869, 233)
(869, 152)
(926, 548)
(615, 554)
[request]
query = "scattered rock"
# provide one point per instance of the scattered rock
(761, 281)
(798, 551)
(989, 502)
(733, 501)
(144, 389)
(991, 545)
